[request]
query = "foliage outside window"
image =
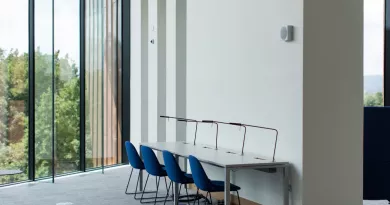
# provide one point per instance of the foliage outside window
(14, 114)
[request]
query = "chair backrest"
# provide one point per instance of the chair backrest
(199, 175)
(133, 156)
(152, 165)
(173, 169)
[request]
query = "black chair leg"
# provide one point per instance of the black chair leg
(136, 187)
(197, 194)
(142, 196)
(206, 199)
(188, 197)
(157, 184)
(169, 187)
(127, 187)
(238, 195)
(154, 199)
(166, 185)
(198, 199)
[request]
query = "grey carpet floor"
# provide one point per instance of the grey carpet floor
(91, 188)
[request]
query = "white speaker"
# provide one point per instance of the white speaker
(287, 33)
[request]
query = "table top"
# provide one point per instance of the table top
(9, 172)
(221, 157)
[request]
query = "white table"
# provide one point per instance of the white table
(226, 159)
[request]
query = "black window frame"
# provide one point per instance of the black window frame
(126, 70)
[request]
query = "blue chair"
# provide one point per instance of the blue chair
(175, 174)
(135, 162)
(154, 168)
(203, 183)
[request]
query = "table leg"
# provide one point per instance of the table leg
(176, 188)
(227, 186)
(185, 169)
(141, 176)
(286, 184)
(141, 180)
(185, 164)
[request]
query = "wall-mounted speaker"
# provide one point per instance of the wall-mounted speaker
(287, 33)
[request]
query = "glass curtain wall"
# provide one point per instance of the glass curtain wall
(67, 85)
(112, 78)
(14, 89)
(94, 83)
(44, 71)
(57, 87)
(54, 145)
(102, 94)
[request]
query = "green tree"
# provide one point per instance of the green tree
(373, 99)
(3, 98)
(14, 92)
(67, 109)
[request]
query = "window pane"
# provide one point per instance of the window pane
(111, 146)
(43, 87)
(14, 89)
(373, 52)
(102, 83)
(67, 90)
(119, 81)
(93, 78)
(112, 78)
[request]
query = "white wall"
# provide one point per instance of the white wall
(311, 90)
(238, 69)
(135, 81)
(139, 71)
(171, 69)
(153, 70)
(333, 102)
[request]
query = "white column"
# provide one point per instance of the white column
(333, 102)
(144, 118)
(161, 67)
(171, 69)
(176, 70)
(152, 72)
(139, 71)
(181, 67)
(157, 70)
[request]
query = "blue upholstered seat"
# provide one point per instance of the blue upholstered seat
(204, 183)
(175, 174)
(154, 168)
(152, 165)
(136, 162)
(133, 156)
